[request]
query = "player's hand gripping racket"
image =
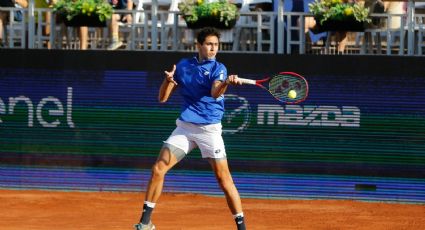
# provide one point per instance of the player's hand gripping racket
(287, 87)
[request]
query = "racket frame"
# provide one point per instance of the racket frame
(260, 82)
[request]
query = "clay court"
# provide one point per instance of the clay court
(73, 122)
(51, 210)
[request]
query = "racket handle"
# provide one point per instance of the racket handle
(247, 81)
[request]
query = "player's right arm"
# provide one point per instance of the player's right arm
(220, 87)
(167, 86)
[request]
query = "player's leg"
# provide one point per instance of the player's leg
(225, 180)
(174, 149)
(169, 156)
(166, 160)
(211, 144)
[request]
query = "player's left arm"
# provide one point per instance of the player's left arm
(168, 86)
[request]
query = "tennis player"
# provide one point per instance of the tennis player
(202, 81)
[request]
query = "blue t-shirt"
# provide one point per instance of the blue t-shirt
(195, 80)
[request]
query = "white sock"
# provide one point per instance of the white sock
(238, 215)
(150, 204)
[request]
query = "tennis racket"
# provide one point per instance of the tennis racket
(286, 87)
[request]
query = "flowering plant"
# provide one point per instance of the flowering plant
(325, 10)
(199, 13)
(72, 8)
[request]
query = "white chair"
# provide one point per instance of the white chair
(387, 39)
(41, 39)
(244, 29)
(15, 31)
(420, 27)
(128, 30)
(158, 32)
(251, 30)
(97, 38)
(170, 28)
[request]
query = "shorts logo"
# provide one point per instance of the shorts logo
(217, 151)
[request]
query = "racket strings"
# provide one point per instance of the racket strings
(280, 85)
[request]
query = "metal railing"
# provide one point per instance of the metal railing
(255, 32)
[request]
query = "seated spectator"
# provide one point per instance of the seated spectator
(46, 16)
(389, 7)
(117, 18)
(4, 15)
(311, 35)
(82, 31)
(375, 7)
(394, 7)
(341, 37)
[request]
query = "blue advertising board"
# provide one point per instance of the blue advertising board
(105, 124)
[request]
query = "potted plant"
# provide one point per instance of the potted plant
(336, 15)
(198, 13)
(93, 13)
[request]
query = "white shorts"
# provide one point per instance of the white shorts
(188, 136)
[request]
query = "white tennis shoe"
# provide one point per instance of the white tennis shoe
(141, 226)
(115, 45)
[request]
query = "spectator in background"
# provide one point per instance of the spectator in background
(375, 7)
(394, 7)
(117, 18)
(341, 37)
(83, 32)
(4, 15)
(47, 16)
(389, 7)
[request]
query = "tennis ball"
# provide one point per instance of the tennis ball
(292, 94)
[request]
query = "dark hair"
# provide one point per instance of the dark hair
(205, 32)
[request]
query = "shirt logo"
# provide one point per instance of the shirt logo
(206, 73)
(217, 151)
